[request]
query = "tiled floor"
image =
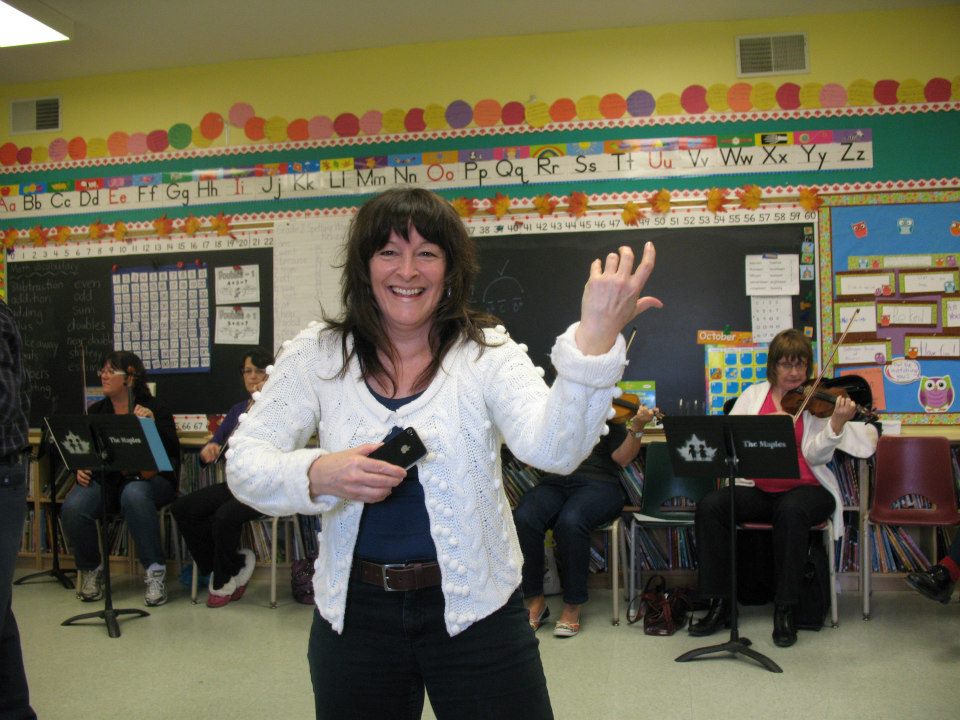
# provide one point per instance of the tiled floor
(248, 661)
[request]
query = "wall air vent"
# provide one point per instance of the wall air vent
(34, 115)
(781, 54)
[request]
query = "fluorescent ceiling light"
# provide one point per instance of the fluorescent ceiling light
(18, 28)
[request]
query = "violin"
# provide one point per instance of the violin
(626, 406)
(821, 401)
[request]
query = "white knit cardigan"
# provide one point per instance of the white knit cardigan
(818, 443)
(476, 402)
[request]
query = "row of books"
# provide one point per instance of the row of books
(847, 471)
(666, 548)
(894, 550)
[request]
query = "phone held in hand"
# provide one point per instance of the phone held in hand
(403, 449)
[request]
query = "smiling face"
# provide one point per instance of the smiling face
(407, 280)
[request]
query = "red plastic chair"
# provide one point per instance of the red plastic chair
(908, 466)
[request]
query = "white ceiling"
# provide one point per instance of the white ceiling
(114, 36)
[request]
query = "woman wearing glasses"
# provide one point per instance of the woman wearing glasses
(793, 506)
(136, 495)
(211, 518)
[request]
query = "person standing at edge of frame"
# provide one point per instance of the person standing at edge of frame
(14, 475)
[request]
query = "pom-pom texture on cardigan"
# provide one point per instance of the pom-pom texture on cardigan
(477, 402)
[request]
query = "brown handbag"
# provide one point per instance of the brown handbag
(663, 611)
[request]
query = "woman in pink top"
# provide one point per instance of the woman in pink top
(793, 506)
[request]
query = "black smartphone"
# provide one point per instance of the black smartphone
(403, 449)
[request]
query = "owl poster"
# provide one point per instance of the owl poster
(935, 394)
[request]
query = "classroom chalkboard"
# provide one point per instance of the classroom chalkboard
(534, 283)
(60, 304)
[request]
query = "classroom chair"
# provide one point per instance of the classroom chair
(908, 466)
(658, 508)
(274, 527)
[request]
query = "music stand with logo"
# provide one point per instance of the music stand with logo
(53, 511)
(107, 443)
(732, 446)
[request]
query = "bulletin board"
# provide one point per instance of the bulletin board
(893, 268)
(69, 311)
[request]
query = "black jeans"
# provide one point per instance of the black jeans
(211, 520)
(792, 514)
(394, 645)
(14, 693)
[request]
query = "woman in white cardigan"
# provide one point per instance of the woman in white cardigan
(793, 506)
(417, 577)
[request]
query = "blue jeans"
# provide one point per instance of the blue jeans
(394, 645)
(14, 693)
(137, 500)
(574, 506)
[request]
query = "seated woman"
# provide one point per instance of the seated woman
(211, 518)
(793, 506)
(136, 495)
(574, 506)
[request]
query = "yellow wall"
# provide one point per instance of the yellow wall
(914, 44)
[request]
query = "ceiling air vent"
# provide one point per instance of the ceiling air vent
(35, 115)
(771, 54)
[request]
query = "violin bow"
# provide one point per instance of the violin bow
(823, 368)
(633, 334)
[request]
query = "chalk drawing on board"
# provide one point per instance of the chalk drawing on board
(504, 295)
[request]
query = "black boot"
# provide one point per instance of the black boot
(784, 626)
(718, 614)
(935, 583)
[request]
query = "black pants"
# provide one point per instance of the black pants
(395, 646)
(14, 694)
(792, 514)
(210, 520)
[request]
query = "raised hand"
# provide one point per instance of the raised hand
(611, 298)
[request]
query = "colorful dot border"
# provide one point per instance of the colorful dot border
(696, 103)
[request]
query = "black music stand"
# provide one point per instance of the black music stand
(107, 443)
(735, 446)
(55, 570)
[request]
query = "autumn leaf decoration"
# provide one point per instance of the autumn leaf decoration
(10, 237)
(221, 223)
(716, 200)
(465, 206)
(63, 233)
(545, 204)
(38, 236)
(749, 197)
(810, 199)
(500, 205)
(577, 204)
(163, 226)
(659, 201)
(191, 225)
(120, 230)
(632, 213)
(97, 230)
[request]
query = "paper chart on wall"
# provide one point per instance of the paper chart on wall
(770, 315)
(305, 280)
(772, 274)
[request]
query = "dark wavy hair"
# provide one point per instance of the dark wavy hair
(790, 345)
(258, 356)
(133, 366)
(398, 211)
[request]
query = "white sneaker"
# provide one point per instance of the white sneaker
(91, 585)
(156, 593)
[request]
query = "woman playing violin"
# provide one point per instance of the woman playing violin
(793, 506)
(574, 505)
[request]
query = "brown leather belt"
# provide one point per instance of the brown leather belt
(397, 577)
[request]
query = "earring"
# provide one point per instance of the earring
(449, 291)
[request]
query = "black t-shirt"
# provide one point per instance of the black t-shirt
(599, 465)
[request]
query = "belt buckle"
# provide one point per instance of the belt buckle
(383, 575)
